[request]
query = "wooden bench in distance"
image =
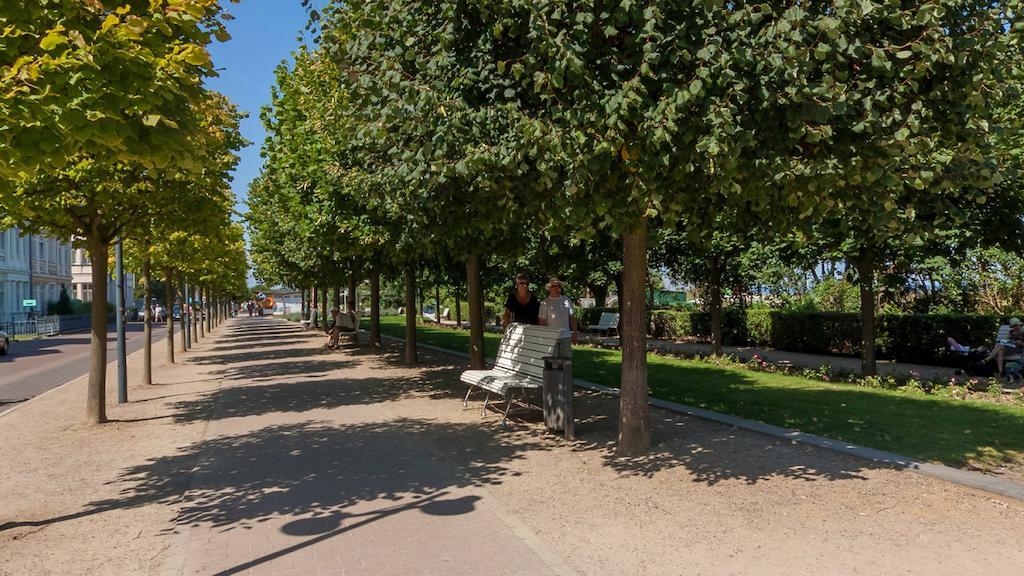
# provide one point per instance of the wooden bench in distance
(519, 364)
(609, 321)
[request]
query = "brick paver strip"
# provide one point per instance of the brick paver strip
(964, 477)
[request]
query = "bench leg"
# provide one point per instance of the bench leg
(486, 399)
(508, 404)
(465, 401)
(526, 396)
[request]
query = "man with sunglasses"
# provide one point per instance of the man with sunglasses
(557, 311)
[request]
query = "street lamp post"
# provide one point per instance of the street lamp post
(122, 358)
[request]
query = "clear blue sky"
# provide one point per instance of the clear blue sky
(263, 33)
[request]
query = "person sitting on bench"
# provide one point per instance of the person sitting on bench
(1004, 347)
(1011, 346)
(348, 321)
(332, 328)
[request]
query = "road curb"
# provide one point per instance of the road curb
(967, 478)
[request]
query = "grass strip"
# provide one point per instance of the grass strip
(950, 431)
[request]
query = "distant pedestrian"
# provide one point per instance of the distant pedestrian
(557, 311)
(250, 307)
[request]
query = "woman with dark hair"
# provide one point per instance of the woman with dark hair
(521, 306)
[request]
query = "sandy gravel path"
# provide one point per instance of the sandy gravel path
(263, 454)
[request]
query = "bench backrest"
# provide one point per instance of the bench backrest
(613, 322)
(523, 349)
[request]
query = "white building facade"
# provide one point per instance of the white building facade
(24, 258)
(81, 279)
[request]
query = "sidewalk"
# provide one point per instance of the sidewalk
(266, 454)
(298, 476)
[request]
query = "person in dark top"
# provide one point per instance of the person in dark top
(522, 306)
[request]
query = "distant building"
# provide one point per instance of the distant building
(81, 280)
(47, 261)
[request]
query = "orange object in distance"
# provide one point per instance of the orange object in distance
(268, 302)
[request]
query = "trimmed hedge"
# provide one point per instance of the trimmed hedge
(589, 316)
(917, 338)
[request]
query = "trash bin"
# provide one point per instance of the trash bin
(558, 395)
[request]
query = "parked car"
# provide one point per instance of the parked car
(5, 343)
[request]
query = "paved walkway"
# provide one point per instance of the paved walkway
(285, 485)
(260, 452)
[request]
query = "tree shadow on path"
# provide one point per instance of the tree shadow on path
(322, 476)
(304, 396)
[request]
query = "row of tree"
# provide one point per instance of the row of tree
(431, 134)
(110, 135)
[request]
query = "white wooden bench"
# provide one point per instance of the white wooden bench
(519, 364)
(433, 316)
(609, 321)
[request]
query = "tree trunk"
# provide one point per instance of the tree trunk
(600, 293)
(411, 356)
(183, 315)
(634, 415)
(351, 299)
(437, 303)
(375, 340)
(458, 309)
(302, 303)
(147, 354)
(200, 320)
(419, 289)
(313, 306)
(323, 307)
(865, 264)
(169, 277)
(208, 307)
(619, 289)
(715, 289)
(337, 297)
(476, 311)
(96, 402)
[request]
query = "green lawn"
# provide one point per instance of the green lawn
(918, 425)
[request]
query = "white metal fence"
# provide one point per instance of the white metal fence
(45, 325)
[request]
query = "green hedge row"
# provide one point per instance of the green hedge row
(917, 338)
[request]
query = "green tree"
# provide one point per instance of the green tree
(97, 203)
(891, 109)
(113, 79)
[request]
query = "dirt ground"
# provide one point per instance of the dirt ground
(710, 499)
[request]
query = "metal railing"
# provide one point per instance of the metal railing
(75, 323)
(45, 325)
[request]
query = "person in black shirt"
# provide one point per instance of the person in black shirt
(522, 306)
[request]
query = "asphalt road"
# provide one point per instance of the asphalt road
(35, 366)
